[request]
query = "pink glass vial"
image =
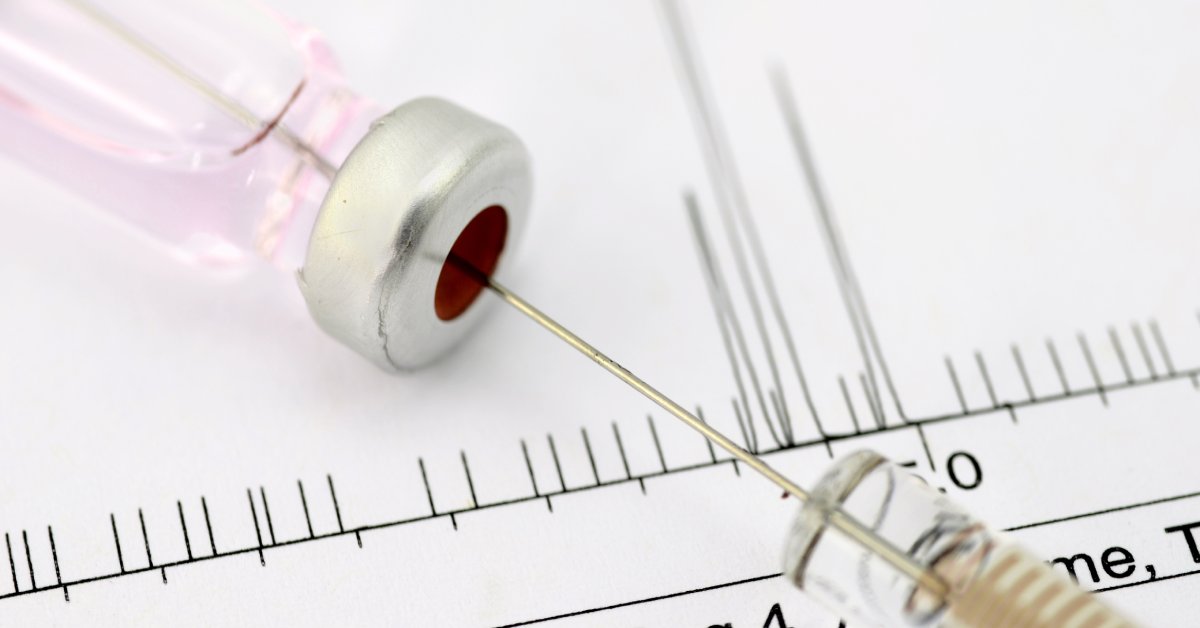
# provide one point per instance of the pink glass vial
(225, 131)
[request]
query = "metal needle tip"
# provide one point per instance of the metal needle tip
(848, 525)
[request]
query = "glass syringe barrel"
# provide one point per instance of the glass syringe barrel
(101, 114)
(991, 581)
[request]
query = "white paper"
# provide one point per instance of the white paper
(1002, 176)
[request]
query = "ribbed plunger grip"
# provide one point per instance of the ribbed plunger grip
(1017, 589)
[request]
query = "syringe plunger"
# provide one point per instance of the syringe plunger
(990, 580)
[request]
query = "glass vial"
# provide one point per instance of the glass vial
(107, 97)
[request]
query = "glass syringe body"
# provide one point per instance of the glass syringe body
(92, 96)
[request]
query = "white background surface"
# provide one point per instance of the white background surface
(1002, 175)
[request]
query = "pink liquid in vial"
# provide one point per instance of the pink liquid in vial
(98, 112)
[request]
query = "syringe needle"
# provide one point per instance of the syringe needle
(928, 581)
(646, 389)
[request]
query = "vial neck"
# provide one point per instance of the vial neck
(318, 130)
